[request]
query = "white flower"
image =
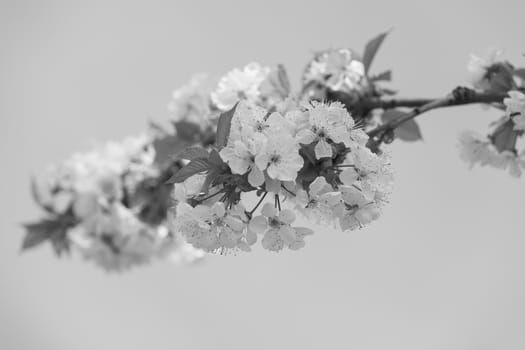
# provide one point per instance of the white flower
(212, 228)
(477, 149)
(478, 69)
(338, 69)
(327, 124)
(249, 120)
(516, 108)
(280, 157)
(321, 202)
(277, 229)
(116, 240)
(240, 85)
(240, 156)
(192, 102)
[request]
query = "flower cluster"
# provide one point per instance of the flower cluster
(499, 148)
(254, 84)
(338, 70)
(493, 74)
(308, 157)
(94, 201)
(192, 103)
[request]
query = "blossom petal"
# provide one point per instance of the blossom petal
(323, 149)
(287, 216)
(256, 177)
(258, 224)
(269, 210)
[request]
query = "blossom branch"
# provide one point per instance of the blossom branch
(459, 96)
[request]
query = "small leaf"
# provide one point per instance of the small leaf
(371, 49)
(283, 79)
(47, 229)
(187, 131)
(519, 72)
(215, 159)
(223, 127)
(212, 175)
(157, 128)
(192, 153)
(383, 76)
(500, 77)
(308, 153)
(38, 198)
(194, 167)
(408, 131)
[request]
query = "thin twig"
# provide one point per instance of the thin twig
(258, 203)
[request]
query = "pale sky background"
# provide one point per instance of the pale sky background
(443, 268)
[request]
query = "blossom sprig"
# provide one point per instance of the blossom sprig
(109, 205)
(317, 152)
(308, 158)
(499, 148)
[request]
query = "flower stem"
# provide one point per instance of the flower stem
(258, 203)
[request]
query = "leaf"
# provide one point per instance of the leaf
(283, 79)
(192, 153)
(217, 167)
(223, 127)
(408, 131)
(194, 167)
(187, 131)
(371, 49)
(46, 229)
(500, 77)
(278, 81)
(167, 147)
(519, 72)
(383, 76)
(38, 198)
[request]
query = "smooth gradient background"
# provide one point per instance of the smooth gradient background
(443, 269)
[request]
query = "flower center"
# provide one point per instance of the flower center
(273, 222)
(274, 159)
(260, 126)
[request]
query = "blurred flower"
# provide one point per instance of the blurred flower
(516, 109)
(240, 85)
(338, 69)
(192, 102)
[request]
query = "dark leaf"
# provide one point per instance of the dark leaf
(223, 128)
(47, 229)
(500, 77)
(408, 131)
(167, 147)
(192, 153)
(210, 178)
(187, 131)
(157, 128)
(371, 49)
(308, 153)
(60, 244)
(383, 76)
(194, 167)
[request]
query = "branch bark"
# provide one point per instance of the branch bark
(460, 96)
